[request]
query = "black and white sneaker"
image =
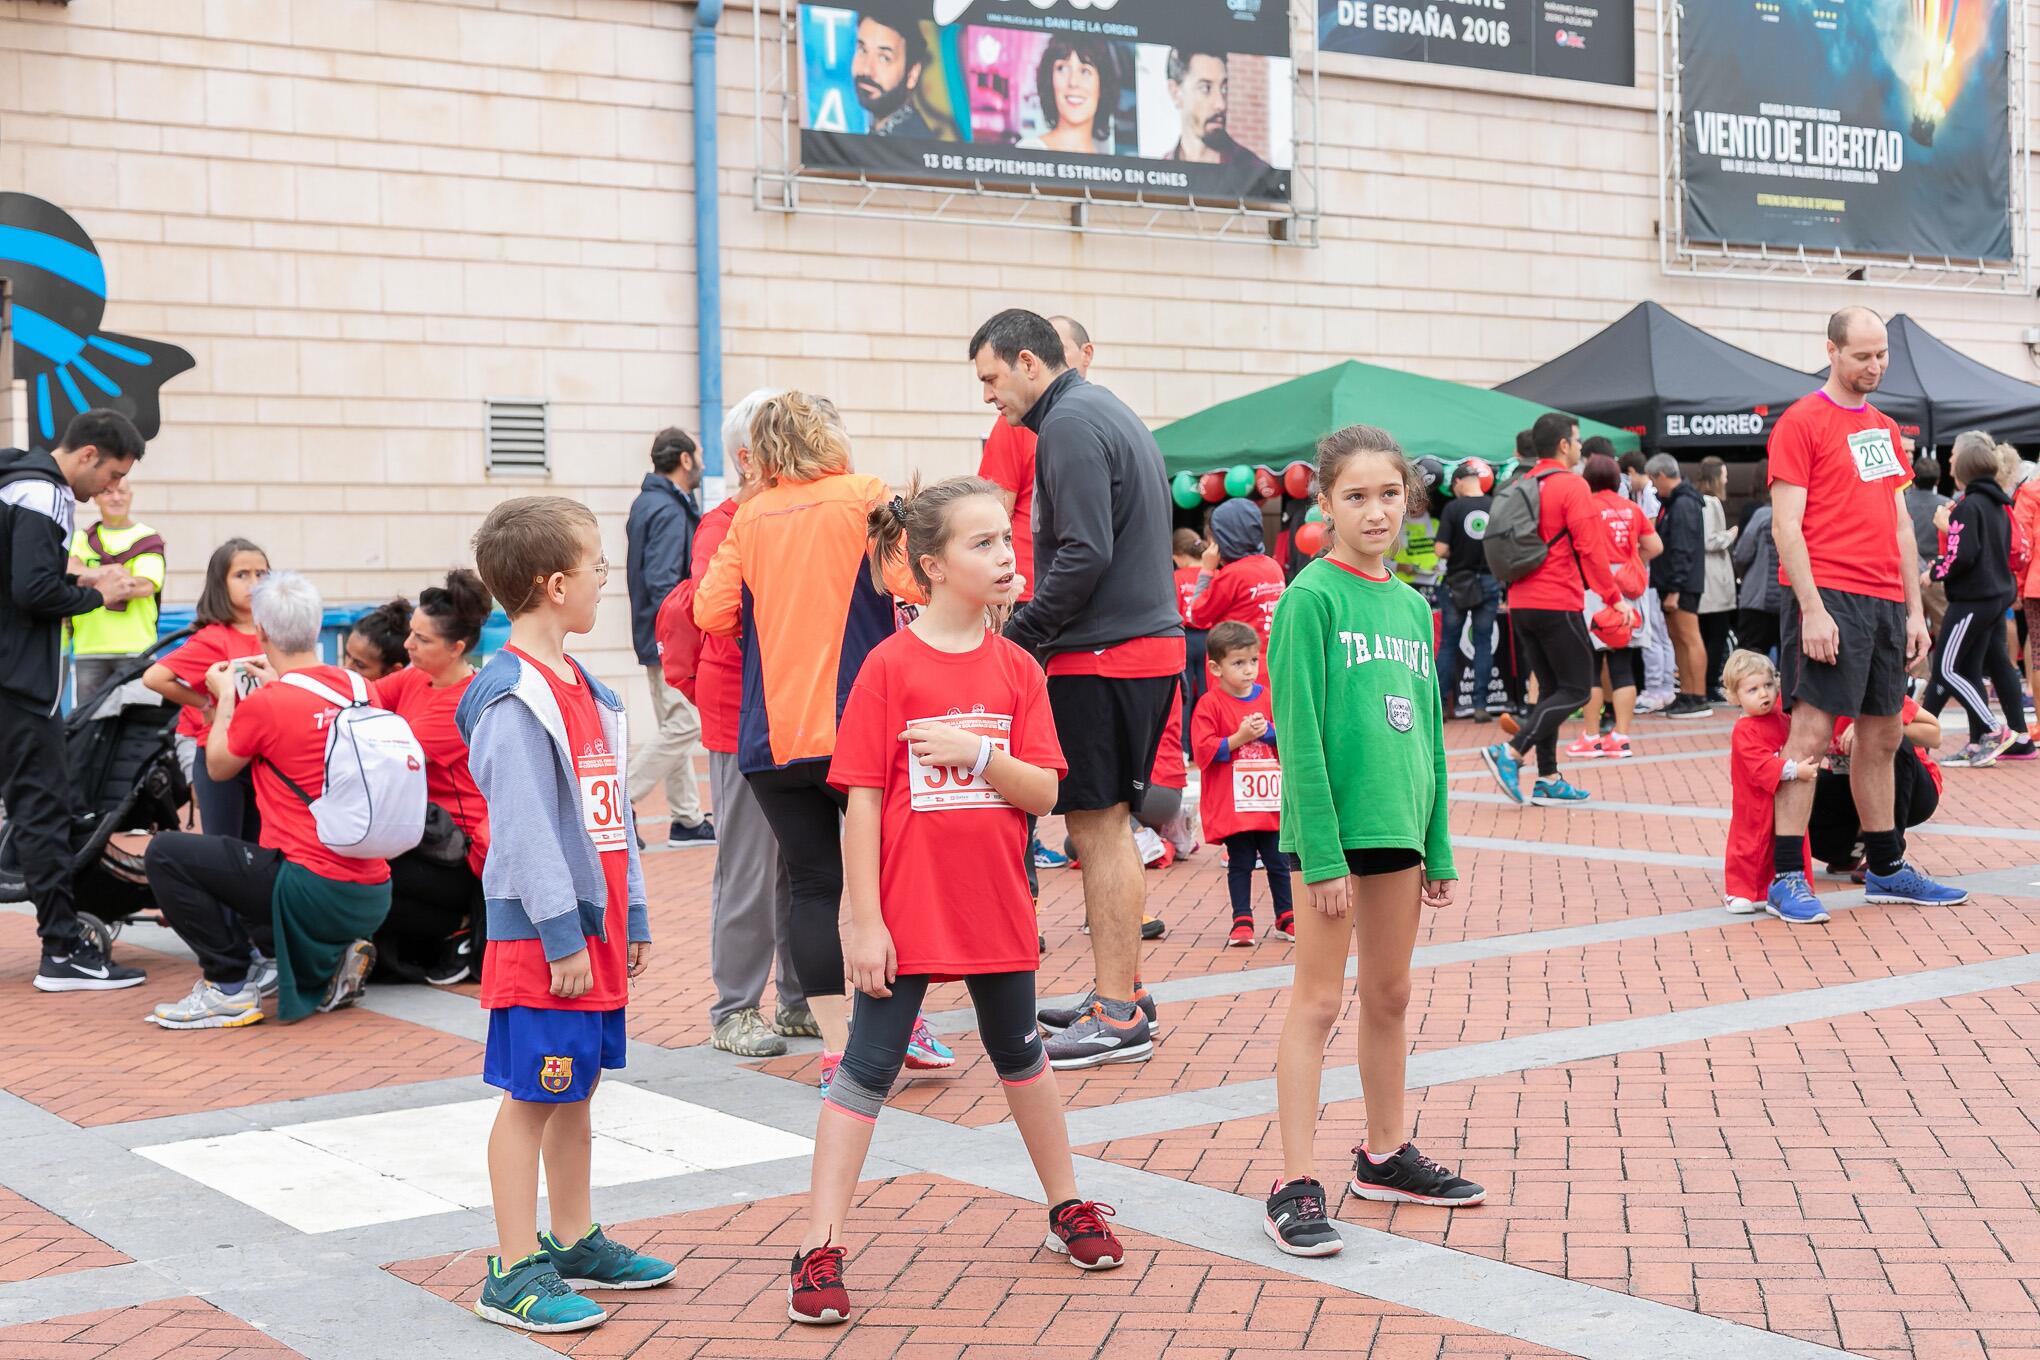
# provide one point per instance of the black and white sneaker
(1690, 706)
(1413, 1178)
(1297, 1222)
(87, 968)
(350, 979)
(1056, 1019)
(456, 962)
(680, 837)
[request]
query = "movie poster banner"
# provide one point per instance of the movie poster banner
(1591, 40)
(1879, 126)
(1172, 98)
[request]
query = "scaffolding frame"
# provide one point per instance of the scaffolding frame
(783, 184)
(1680, 256)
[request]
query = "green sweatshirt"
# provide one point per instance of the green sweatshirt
(1363, 731)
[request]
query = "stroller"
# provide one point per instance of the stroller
(124, 777)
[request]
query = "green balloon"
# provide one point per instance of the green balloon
(1184, 489)
(1314, 515)
(1239, 480)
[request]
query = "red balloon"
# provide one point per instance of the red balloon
(1310, 539)
(1266, 486)
(1212, 485)
(1296, 480)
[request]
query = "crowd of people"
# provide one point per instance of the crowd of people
(893, 689)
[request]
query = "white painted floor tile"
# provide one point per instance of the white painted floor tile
(328, 1174)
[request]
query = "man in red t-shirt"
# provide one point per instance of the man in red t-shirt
(225, 897)
(1852, 620)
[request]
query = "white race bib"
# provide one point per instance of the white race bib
(944, 788)
(1257, 784)
(1875, 457)
(604, 809)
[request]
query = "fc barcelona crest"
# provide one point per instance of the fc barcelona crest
(1402, 714)
(556, 1074)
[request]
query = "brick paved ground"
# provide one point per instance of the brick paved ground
(1860, 1183)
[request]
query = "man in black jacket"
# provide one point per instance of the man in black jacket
(39, 493)
(1678, 575)
(1104, 618)
(659, 554)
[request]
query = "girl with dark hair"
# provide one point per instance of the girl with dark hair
(375, 644)
(226, 632)
(1078, 83)
(436, 889)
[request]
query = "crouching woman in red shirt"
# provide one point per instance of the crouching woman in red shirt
(309, 911)
(946, 746)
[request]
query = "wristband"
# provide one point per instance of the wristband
(1789, 773)
(985, 749)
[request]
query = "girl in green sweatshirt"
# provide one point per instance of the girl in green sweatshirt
(1363, 809)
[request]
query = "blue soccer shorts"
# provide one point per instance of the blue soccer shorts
(551, 1057)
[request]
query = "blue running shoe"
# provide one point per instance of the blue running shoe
(1556, 792)
(530, 1294)
(1911, 886)
(1790, 899)
(1045, 858)
(599, 1262)
(1507, 770)
(925, 1052)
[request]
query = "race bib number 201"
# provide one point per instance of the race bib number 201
(944, 788)
(1875, 457)
(604, 809)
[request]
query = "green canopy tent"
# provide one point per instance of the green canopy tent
(1429, 416)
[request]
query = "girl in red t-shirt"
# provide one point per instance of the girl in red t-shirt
(946, 746)
(226, 632)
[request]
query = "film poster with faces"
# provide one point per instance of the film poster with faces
(1164, 98)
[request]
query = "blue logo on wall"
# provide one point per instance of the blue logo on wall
(59, 299)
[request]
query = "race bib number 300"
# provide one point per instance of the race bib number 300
(603, 807)
(1875, 457)
(944, 788)
(1257, 785)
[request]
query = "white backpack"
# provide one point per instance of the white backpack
(373, 802)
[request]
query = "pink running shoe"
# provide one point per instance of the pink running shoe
(1615, 746)
(1583, 748)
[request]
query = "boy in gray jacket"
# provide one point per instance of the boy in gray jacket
(567, 919)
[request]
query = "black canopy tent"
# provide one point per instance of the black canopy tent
(1668, 381)
(1936, 391)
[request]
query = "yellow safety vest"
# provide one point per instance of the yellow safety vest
(131, 627)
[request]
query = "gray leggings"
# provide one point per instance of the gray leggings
(879, 1030)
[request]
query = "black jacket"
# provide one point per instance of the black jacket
(659, 556)
(1977, 565)
(1101, 526)
(1682, 566)
(36, 593)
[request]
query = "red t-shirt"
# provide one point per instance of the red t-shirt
(1008, 461)
(1622, 520)
(1245, 792)
(1170, 772)
(1140, 659)
(1186, 589)
(1907, 711)
(515, 972)
(281, 727)
(1242, 591)
(1854, 470)
(951, 883)
(409, 694)
(1565, 507)
(213, 643)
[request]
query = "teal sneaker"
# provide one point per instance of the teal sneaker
(531, 1295)
(1556, 792)
(598, 1262)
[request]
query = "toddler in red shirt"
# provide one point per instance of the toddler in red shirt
(1756, 767)
(1232, 737)
(945, 748)
(568, 922)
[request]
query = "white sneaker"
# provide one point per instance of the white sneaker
(207, 1007)
(1742, 906)
(1151, 846)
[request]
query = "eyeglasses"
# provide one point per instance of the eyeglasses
(600, 567)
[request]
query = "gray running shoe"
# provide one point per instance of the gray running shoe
(746, 1035)
(207, 1007)
(795, 1022)
(350, 979)
(1056, 1019)
(1098, 1039)
(262, 976)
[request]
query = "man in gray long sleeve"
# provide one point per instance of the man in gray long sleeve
(1104, 618)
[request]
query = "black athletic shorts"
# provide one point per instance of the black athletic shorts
(1372, 860)
(1110, 730)
(1867, 676)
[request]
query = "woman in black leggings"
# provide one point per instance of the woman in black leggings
(1976, 569)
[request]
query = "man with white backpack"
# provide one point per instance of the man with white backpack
(340, 785)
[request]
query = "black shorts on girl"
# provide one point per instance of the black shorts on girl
(1372, 861)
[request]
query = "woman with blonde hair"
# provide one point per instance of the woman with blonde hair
(790, 581)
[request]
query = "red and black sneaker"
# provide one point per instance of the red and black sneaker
(817, 1294)
(1285, 927)
(1076, 1229)
(1413, 1178)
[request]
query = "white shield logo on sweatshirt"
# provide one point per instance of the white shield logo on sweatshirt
(1402, 714)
